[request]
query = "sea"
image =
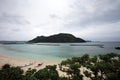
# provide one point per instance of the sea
(58, 51)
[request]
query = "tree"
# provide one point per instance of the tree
(101, 67)
(48, 73)
(11, 73)
(29, 74)
(72, 67)
(104, 67)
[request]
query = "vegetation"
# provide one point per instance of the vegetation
(100, 67)
(58, 38)
(11, 73)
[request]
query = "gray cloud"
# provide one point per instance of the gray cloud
(13, 6)
(16, 30)
(89, 19)
(110, 16)
(13, 19)
(54, 16)
(95, 12)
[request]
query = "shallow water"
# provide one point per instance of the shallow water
(58, 51)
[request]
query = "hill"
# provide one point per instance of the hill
(57, 38)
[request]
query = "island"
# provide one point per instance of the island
(57, 38)
(118, 48)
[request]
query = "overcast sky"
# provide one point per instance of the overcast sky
(96, 20)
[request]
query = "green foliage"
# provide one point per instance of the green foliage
(87, 74)
(11, 73)
(101, 67)
(112, 76)
(48, 73)
(104, 66)
(72, 66)
(6, 66)
(62, 37)
(29, 74)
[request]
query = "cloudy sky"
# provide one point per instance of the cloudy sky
(96, 20)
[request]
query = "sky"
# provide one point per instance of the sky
(96, 20)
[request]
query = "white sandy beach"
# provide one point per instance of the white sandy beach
(32, 63)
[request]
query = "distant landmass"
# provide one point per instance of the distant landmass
(12, 42)
(57, 38)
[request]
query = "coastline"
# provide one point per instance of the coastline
(31, 63)
(26, 63)
(20, 61)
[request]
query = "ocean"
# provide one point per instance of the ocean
(58, 51)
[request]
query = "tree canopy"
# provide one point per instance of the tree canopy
(98, 67)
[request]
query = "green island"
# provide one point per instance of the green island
(57, 38)
(98, 67)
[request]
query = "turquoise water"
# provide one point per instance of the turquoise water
(58, 51)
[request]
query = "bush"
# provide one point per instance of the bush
(101, 67)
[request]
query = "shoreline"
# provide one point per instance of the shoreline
(26, 63)
(19, 61)
(31, 63)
